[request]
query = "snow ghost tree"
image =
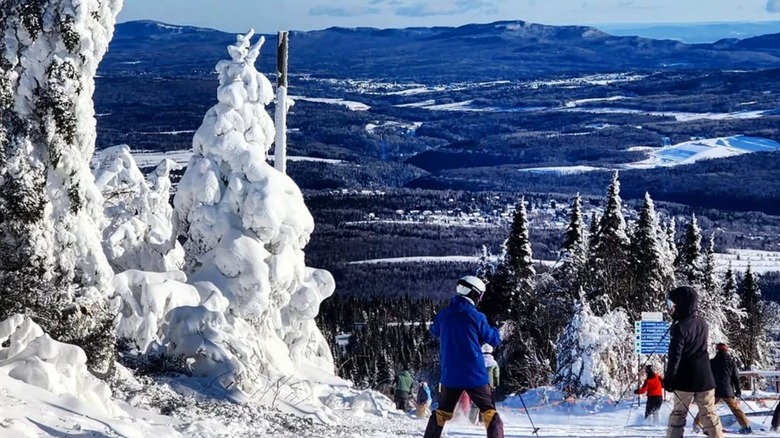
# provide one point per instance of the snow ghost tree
(52, 265)
(246, 223)
(595, 353)
(137, 233)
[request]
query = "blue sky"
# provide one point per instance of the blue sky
(273, 15)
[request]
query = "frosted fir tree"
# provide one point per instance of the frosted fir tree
(574, 252)
(671, 241)
(688, 265)
(652, 269)
(137, 231)
(593, 353)
(519, 255)
(246, 223)
(753, 342)
(486, 267)
(608, 261)
(52, 265)
(712, 304)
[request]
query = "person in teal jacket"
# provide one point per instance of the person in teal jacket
(461, 330)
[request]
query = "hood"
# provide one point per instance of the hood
(461, 302)
(686, 302)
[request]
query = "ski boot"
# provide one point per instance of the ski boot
(745, 430)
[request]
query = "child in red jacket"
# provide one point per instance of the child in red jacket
(655, 393)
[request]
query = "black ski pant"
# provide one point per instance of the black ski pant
(776, 417)
(482, 397)
(401, 400)
(654, 403)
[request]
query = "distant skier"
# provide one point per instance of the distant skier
(727, 388)
(403, 388)
(653, 386)
(493, 376)
(423, 399)
(688, 374)
(461, 330)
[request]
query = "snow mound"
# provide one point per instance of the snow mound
(34, 358)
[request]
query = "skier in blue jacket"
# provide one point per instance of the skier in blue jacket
(461, 330)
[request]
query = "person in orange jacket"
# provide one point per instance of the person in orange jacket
(655, 393)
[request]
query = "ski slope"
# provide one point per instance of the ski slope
(704, 149)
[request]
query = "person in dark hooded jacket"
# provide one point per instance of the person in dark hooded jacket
(461, 330)
(727, 387)
(688, 374)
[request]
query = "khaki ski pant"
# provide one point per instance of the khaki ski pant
(733, 404)
(680, 413)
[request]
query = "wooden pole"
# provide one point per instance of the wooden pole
(280, 150)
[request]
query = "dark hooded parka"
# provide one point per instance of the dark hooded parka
(689, 363)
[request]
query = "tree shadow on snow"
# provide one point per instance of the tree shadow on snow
(59, 434)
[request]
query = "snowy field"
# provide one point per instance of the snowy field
(679, 154)
(760, 261)
(30, 411)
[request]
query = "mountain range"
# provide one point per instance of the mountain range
(500, 50)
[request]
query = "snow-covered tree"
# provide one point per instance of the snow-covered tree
(138, 232)
(650, 264)
(595, 353)
(52, 265)
(753, 343)
(246, 223)
(574, 252)
(608, 262)
(689, 258)
(712, 301)
(519, 257)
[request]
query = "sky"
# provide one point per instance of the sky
(273, 15)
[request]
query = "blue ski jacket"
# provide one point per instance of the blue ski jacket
(461, 330)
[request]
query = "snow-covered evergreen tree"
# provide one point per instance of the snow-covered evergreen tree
(688, 265)
(138, 232)
(712, 303)
(653, 273)
(753, 343)
(595, 353)
(487, 267)
(52, 265)
(574, 252)
(608, 268)
(246, 223)
(519, 258)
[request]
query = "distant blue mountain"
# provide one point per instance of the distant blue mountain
(694, 32)
(501, 50)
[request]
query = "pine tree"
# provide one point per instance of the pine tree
(574, 252)
(52, 266)
(671, 242)
(712, 304)
(734, 314)
(608, 262)
(753, 342)
(688, 265)
(519, 258)
(653, 273)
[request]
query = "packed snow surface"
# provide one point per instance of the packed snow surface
(351, 105)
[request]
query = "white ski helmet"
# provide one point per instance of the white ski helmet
(469, 284)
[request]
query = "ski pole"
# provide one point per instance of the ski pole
(623, 394)
(746, 404)
(536, 429)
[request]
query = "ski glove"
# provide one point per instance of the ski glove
(738, 393)
(668, 384)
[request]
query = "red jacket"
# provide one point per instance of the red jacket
(653, 386)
